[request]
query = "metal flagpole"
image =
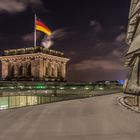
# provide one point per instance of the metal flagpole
(35, 31)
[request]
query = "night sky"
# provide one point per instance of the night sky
(90, 32)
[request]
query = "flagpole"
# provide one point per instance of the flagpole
(35, 32)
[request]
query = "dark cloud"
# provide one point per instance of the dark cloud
(100, 54)
(96, 75)
(92, 64)
(15, 6)
(95, 25)
(121, 37)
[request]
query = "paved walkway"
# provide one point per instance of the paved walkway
(97, 118)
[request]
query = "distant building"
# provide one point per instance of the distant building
(132, 84)
(108, 82)
(33, 64)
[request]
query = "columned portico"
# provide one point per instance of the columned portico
(34, 66)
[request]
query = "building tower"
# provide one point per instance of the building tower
(33, 64)
(132, 84)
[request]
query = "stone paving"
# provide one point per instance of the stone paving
(95, 118)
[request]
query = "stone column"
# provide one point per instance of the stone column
(20, 69)
(4, 69)
(50, 69)
(55, 69)
(63, 70)
(35, 68)
(59, 70)
(44, 68)
(41, 69)
(11, 69)
(16, 69)
(24, 69)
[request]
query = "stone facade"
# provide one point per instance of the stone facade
(132, 83)
(33, 64)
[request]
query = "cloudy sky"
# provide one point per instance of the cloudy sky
(90, 32)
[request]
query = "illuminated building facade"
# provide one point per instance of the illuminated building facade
(33, 64)
(132, 84)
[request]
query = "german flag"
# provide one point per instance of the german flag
(40, 26)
